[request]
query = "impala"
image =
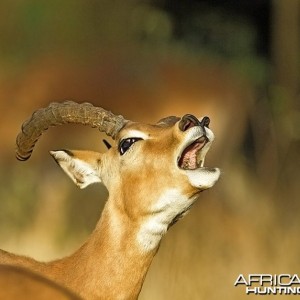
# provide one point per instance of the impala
(154, 174)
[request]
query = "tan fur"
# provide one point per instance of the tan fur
(147, 190)
(20, 283)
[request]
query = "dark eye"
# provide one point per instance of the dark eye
(126, 144)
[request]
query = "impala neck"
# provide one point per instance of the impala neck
(110, 265)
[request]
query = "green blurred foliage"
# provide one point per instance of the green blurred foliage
(31, 29)
(22, 192)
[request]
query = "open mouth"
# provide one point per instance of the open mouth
(190, 159)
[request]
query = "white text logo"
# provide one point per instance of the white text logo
(269, 284)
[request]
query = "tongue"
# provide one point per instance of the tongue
(188, 159)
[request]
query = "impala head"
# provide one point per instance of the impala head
(150, 170)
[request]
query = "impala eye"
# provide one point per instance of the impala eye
(126, 144)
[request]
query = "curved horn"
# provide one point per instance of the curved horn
(63, 113)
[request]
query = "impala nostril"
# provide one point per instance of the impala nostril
(188, 121)
(205, 121)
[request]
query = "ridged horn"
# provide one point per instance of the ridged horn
(63, 113)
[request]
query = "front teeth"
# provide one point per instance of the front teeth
(202, 162)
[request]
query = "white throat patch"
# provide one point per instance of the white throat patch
(169, 205)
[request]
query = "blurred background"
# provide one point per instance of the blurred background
(235, 61)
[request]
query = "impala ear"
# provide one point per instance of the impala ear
(81, 166)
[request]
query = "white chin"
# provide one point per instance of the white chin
(203, 178)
